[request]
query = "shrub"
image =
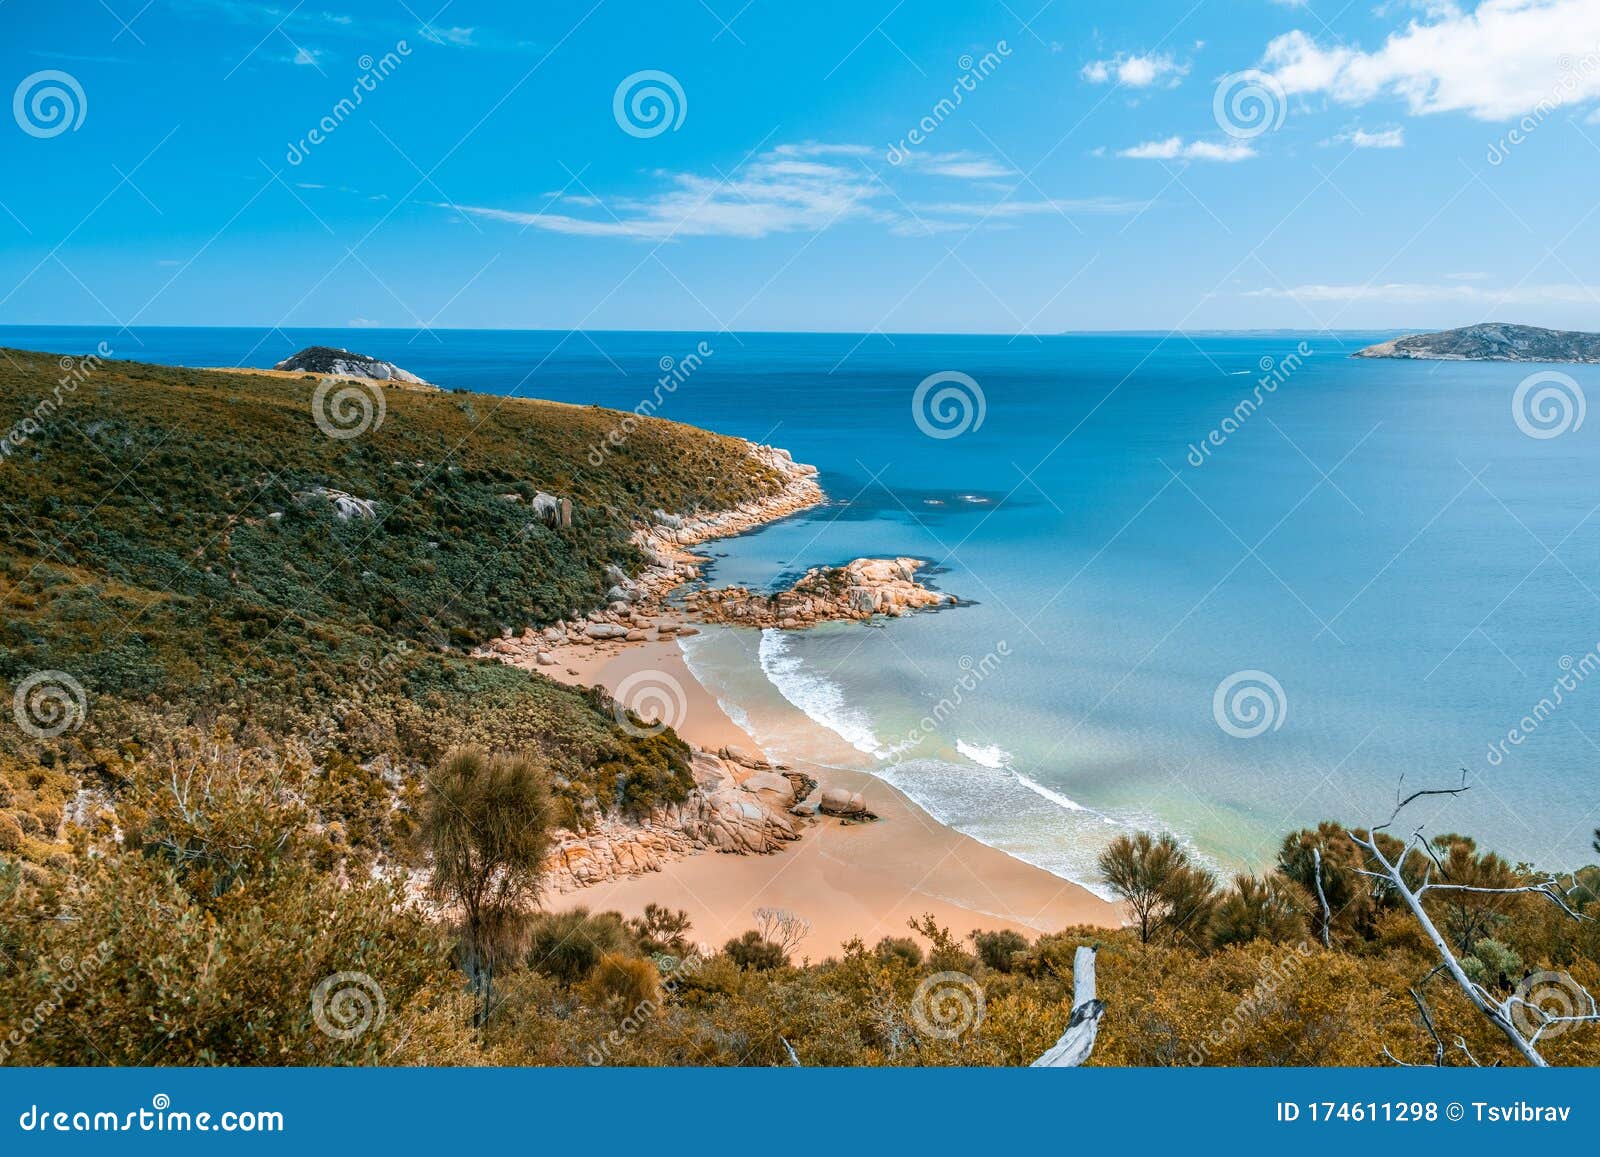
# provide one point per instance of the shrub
(998, 950)
(754, 954)
(569, 945)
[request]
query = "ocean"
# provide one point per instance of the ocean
(1223, 585)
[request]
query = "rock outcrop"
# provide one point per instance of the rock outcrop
(1492, 342)
(321, 359)
(731, 809)
(858, 591)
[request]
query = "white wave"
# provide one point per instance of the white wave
(818, 696)
(990, 755)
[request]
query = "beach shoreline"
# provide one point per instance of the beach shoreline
(847, 878)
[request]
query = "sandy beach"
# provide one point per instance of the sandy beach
(848, 879)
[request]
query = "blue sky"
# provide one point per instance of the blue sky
(1402, 165)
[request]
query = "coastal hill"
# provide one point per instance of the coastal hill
(338, 363)
(1492, 342)
(186, 544)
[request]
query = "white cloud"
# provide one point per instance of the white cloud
(1360, 138)
(1413, 293)
(1176, 149)
(1501, 60)
(1135, 70)
(790, 189)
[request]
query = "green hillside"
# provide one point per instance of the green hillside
(171, 540)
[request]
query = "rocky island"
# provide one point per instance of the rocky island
(1492, 342)
(338, 363)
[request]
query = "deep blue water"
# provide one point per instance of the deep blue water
(1381, 538)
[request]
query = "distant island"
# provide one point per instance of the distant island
(321, 359)
(1492, 343)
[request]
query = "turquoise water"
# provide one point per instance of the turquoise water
(1382, 539)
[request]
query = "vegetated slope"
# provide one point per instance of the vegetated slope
(177, 541)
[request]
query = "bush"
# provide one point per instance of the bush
(998, 950)
(901, 948)
(630, 981)
(569, 945)
(754, 954)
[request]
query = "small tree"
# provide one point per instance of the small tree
(782, 927)
(1269, 907)
(755, 953)
(487, 823)
(1168, 893)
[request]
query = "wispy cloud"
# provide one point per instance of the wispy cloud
(295, 20)
(1360, 138)
(1500, 60)
(806, 187)
(1177, 149)
(1136, 70)
(1415, 293)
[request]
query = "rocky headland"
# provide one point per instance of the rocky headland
(338, 363)
(857, 591)
(1492, 342)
